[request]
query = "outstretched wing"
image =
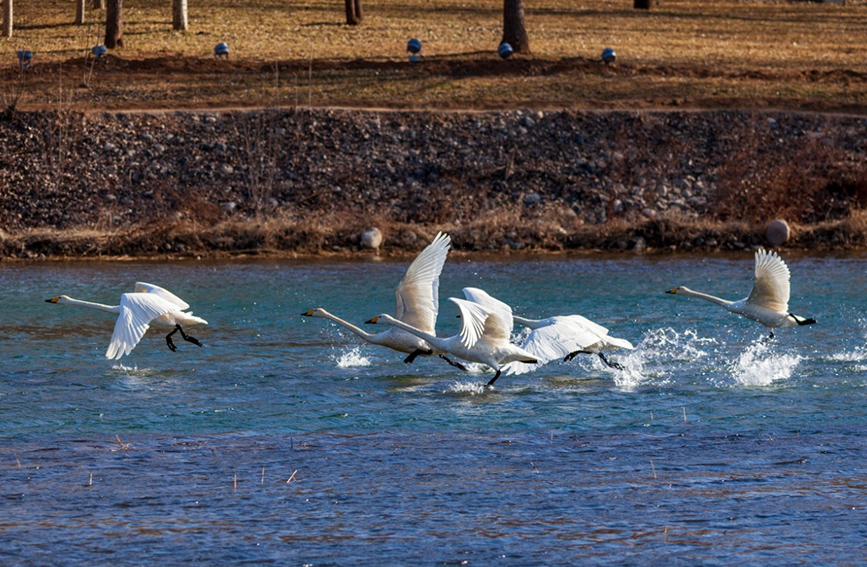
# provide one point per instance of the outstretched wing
(417, 294)
(473, 318)
(493, 305)
(771, 288)
(141, 287)
(565, 335)
(137, 310)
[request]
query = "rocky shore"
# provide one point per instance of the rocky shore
(312, 180)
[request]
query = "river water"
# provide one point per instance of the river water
(286, 440)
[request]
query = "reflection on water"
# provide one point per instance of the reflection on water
(287, 440)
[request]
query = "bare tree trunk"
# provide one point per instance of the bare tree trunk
(180, 21)
(353, 12)
(514, 31)
(114, 24)
(98, 5)
(79, 12)
(7, 18)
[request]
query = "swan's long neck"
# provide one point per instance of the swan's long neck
(349, 326)
(707, 297)
(90, 304)
(433, 340)
(531, 323)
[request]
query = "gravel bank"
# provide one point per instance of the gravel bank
(289, 180)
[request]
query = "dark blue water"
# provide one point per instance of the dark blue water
(711, 448)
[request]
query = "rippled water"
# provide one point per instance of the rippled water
(710, 448)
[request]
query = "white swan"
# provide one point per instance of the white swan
(148, 305)
(768, 302)
(417, 304)
(483, 338)
(562, 336)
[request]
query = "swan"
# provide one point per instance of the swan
(417, 303)
(148, 305)
(561, 336)
(483, 338)
(768, 302)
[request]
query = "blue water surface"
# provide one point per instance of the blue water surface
(287, 440)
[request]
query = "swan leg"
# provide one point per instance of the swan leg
(801, 320)
(169, 341)
(572, 355)
(453, 363)
(494, 379)
(186, 337)
(609, 363)
(412, 356)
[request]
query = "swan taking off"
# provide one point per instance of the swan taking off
(417, 304)
(562, 336)
(768, 302)
(148, 305)
(483, 338)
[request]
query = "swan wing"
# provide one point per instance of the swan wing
(473, 318)
(142, 287)
(492, 304)
(417, 294)
(771, 288)
(137, 310)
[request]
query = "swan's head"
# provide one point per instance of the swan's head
(61, 299)
(680, 290)
(379, 320)
(318, 312)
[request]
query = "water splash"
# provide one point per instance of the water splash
(352, 359)
(757, 366)
(464, 388)
(653, 355)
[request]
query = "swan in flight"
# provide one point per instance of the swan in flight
(417, 304)
(483, 338)
(562, 336)
(148, 305)
(768, 302)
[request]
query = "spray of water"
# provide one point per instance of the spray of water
(759, 366)
(352, 359)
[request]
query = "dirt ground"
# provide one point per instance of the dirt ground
(169, 82)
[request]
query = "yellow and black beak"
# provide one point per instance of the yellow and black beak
(673, 290)
(372, 321)
(308, 313)
(52, 300)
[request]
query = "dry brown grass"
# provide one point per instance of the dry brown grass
(685, 52)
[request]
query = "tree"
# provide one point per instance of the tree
(79, 12)
(354, 14)
(98, 5)
(180, 21)
(7, 18)
(514, 31)
(114, 24)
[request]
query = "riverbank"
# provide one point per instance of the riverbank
(292, 181)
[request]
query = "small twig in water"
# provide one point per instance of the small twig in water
(263, 476)
(236, 482)
(123, 446)
(653, 469)
(291, 477)
(684, 413)
(534, 467)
